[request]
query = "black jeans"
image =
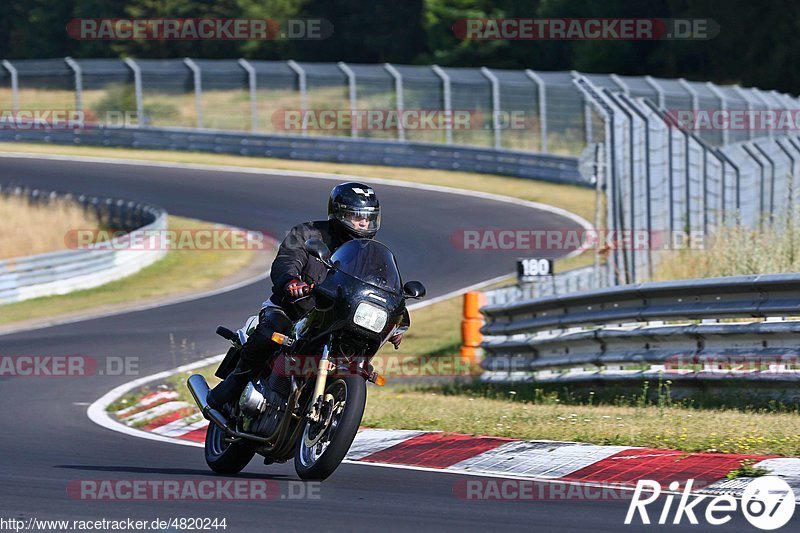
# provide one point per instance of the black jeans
(259, 349)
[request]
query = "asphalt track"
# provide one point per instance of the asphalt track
(48, 441)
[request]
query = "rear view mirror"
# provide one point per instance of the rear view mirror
(320, 250)
(414, 289)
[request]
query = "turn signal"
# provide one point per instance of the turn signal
(280, 338)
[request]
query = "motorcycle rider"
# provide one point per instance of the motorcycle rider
(353, 213)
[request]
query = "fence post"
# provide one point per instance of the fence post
(137, 88)
(723, 106)
(648, 209)
(447, 102)
(588, 130)
(301, 86)
(630, 270)
(495, 106)
(771, 162)
(198, 90)
(351, 92)
(14, 85)
(662, 98)
(621, 84)
(761, 165)
(743, 94)
(692, 94)
(542, 108)
(76, 69)
(251, 84)
(398, 97)
(792, 186)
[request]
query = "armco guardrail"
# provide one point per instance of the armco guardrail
(331, 149)
(669, 329)
(65, 271)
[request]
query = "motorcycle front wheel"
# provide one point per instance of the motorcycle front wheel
(323, 445)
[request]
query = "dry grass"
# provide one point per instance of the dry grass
(182, 271)
(30, 228)
(737, 250)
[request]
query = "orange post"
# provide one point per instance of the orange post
(471, 336)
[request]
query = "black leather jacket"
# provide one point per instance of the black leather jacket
(294, 262)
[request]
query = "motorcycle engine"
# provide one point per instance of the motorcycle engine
(262, 407)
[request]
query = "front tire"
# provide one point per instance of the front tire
(223, 457)
(319, 461)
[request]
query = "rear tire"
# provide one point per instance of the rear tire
(223, 457)
(342, 430)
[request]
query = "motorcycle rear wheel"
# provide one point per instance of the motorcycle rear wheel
(319, 461)
(224, 457)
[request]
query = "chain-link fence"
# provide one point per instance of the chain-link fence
(523, 110)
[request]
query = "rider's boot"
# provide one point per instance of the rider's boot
(231, 387)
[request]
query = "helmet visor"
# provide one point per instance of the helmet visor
(364, 221)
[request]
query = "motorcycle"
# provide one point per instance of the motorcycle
(312, 416)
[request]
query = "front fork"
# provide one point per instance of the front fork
(319, 387)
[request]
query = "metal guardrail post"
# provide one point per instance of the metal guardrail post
(76, 69)
(398, 98)
(447, 102)
(252, 87)
(723, 106)
(137, 87)
(542, 93)
(662, 97)
(351, 92)
(12, 71)
(198, 90)
(302, 88)
(495, 106)
(761, 165)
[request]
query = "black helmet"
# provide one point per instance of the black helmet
(351, 202)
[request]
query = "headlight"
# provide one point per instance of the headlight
(370, 317)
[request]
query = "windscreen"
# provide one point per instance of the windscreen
(370, 262)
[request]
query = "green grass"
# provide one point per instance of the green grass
(510, 412)
(180, 272)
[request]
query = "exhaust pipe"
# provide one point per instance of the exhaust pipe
(199, 388)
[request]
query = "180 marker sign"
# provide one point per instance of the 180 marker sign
(531, 268)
